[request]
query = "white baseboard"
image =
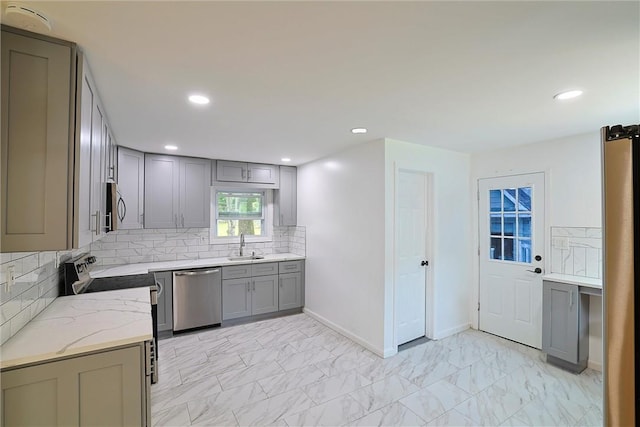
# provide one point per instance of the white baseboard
(346, 333)
(451, 331)
(596, 366)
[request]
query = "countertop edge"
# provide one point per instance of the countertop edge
(588, 282)
(80, 351)
(162, 266)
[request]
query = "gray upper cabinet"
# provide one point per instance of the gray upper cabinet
(130, 188)
(91, 161)
(37, 85)
(194, 192)
(176, 192)
(565, 325)
(286, 201)
(161, 187)
(227, 171)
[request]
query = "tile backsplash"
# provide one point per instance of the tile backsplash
(577, 251)
(149, 245)
(36, 285)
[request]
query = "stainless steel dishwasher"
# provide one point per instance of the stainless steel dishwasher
(197, 299)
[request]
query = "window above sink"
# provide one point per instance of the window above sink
(235, 212)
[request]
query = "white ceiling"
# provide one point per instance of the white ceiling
(292, 78)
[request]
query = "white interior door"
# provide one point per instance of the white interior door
(410, 253)
(511, 226)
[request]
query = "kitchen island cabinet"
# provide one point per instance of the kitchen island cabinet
(104, 388)
(177, 193)
(84, 360)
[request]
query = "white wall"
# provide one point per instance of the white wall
(341, 203)
(573, 197)
(449, 276)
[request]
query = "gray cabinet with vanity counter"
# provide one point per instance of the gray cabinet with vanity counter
(565, 321)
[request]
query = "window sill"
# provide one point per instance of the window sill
(234, 240)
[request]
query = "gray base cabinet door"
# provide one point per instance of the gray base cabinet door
(264, 298)
(164, 282)
(99, 389)
(236, 298)
(560, 321)
(290, 292)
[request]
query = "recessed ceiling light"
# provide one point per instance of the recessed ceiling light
(170, 147)
(568, 94)
(285, 159)
(199, 99)
(359, 130)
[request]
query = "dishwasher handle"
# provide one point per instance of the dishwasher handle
(196, 273)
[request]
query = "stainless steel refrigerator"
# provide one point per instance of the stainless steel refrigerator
(621, 279)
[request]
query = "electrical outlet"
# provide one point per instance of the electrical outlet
(11, 276)
(560, 243)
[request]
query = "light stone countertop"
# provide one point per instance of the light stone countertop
(77, 324)
(589, 282)
(150, 267)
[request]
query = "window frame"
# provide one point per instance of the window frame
(267, 211)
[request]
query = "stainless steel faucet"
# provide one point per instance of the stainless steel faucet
(241, 244)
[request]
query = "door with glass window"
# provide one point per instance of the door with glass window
(511, 227)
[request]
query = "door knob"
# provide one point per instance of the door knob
(424, 262)
(538, 270)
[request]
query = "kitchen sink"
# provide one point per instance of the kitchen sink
(245, 257)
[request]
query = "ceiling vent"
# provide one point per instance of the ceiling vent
(26, 18)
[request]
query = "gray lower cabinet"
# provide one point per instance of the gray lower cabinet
(164, 282)
(565, 325)
(264, 298)
(236, 298)
(106, 388)
(290, 292)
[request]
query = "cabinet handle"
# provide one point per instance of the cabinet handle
(248, 174)
(570, 299)
(110, 226)
(248, 287)
(97, 223)
(182, 216)
(254, 285)
(175, 220)
(280, 281)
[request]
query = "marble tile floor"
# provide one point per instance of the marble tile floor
(294, 371)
